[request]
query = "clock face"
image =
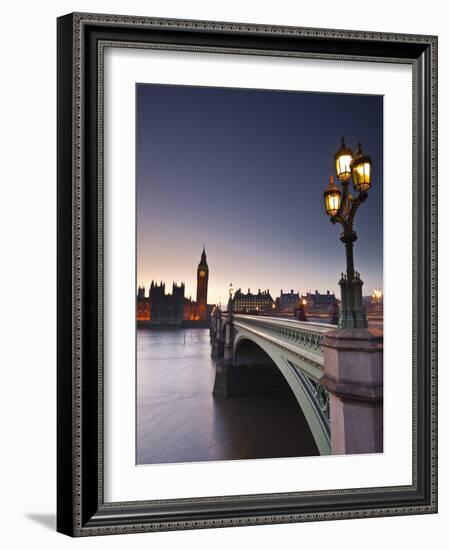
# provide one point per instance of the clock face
(202, 273)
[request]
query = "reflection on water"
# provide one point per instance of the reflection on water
(179, 420)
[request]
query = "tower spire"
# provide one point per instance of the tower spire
(203, 255)
(201, 286)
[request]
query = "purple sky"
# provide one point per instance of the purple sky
(244, 172)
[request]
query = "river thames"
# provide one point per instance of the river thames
(180, 420)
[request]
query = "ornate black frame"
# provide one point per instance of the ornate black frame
(81, 508)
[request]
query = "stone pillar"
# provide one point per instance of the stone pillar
(229, 342)
(223, 384)
(345, 312)
(217, 349)
(353, 375)
(217, 344)
(360, 320)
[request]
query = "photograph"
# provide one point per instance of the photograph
(259, 242)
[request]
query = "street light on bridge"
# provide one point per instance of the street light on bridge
(341, 207)
(231, 292)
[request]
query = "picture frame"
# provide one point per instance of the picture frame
(81, 506)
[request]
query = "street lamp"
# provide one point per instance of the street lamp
(230, 302)
(341, 207)
(343, 158)
(332, 198)
(361, 170)
(376, 296)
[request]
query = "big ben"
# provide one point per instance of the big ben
(202, 279)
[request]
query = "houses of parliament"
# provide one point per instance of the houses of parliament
(159, 308)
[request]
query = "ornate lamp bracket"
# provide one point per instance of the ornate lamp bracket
(346, 214)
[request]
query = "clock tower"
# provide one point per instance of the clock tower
(202, 279)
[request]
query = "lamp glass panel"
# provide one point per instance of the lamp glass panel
(362, 176)
(333, 201)
(343, 166)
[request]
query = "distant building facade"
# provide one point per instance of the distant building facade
(161, 308)
(319, 304)
(142, 305)
(260, 303)
(374, 304)
(166, 308)
(288, 302)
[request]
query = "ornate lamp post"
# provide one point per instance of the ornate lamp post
(341, 207)
(229, 338)
(230, 301)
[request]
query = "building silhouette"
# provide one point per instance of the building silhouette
(166, 308)
(202, 281)
(161, 308)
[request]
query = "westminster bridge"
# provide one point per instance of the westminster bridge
(335, 374)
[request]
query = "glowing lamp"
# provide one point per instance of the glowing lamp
(361, 170)
(343, 158)
(332, 198)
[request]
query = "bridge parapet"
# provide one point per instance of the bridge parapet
(308, 336)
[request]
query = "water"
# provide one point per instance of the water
(179, 420)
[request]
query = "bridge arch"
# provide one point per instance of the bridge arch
(248, 352)
(246, 344)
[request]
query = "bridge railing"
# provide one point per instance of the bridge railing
(305, 335)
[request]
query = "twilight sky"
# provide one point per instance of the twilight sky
(244, 171)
